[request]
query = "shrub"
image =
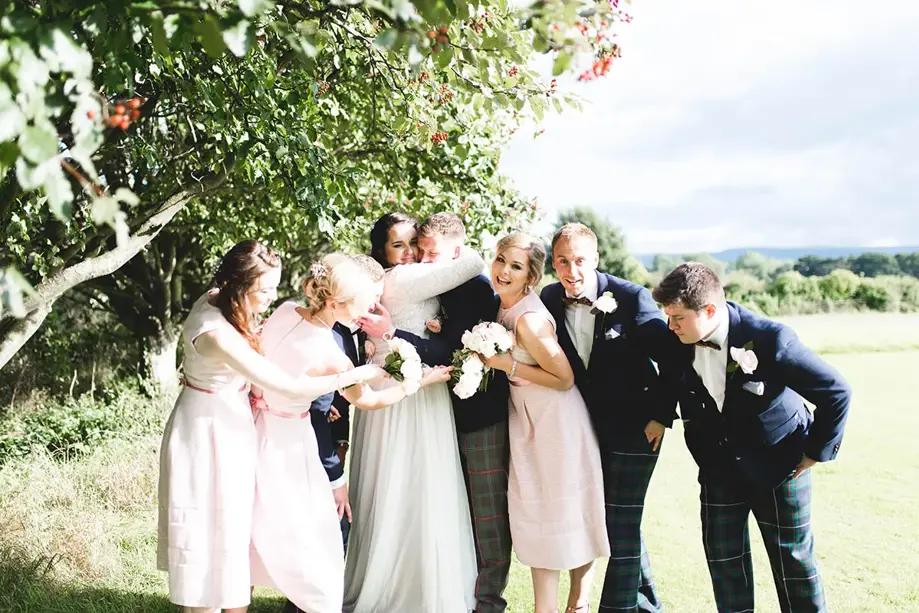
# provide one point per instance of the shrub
(877, 295)
(73, 426)
(839, 284)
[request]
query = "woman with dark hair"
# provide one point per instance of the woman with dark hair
(410, 548)
(393, 238)
(208, 455)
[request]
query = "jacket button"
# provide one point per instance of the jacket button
(646, 389)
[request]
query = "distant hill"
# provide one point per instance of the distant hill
(793, 253)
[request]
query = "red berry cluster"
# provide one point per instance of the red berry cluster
(438, 37)
(553, 88)
(479, 24)
(442, 96)
(438, 137)
(423, 76)
(323, 88)
(513, 71)
(123, 115)
(602, 65)
(465, 207)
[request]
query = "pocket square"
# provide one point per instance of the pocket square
(755, 387)
(611, 334)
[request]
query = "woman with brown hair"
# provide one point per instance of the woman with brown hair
(208, 454)
(555, 493)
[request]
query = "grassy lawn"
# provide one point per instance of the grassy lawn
(92, 521)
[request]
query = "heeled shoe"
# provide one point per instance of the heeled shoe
(582, 609)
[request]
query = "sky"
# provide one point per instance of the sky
(743, 123)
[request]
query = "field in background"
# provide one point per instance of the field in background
(94, 519)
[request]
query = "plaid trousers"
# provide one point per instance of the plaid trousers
(485, 455)
(784, 518)
(628, 585)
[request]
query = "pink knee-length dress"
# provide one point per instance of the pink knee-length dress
(555, 481)
(207, 478)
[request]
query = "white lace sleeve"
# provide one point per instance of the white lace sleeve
(416, 282)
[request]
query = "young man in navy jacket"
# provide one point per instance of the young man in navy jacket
(744, 382)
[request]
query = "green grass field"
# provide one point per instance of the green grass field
(93, 520)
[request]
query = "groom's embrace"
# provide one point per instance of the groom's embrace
(481, 420)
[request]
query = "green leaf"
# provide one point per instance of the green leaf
(60, 196)
(561, 63)
(443, 57)
(386, 38)
(748, 346)
(12, 121)
(251, 8)
(38, 144)
(211, 37)
(158, 33)
(240, 38)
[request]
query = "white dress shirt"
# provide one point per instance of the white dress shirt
(579, 322)
(711, 364)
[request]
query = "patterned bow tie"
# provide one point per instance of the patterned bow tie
(709, 345)
(568, 300)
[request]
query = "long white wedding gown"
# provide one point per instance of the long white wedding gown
(411, 548)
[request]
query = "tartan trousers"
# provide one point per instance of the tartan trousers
(484, 455)
(784, 518)
(627, 472)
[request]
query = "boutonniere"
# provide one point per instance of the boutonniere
(605, 304)
(744, 359)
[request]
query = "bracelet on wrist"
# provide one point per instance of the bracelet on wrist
(513, 369)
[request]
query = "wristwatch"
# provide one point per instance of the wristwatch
(389, 334)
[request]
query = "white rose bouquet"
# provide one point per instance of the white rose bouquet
(470, 374)
(404, 365)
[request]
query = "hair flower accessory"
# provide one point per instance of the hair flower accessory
(318, 269)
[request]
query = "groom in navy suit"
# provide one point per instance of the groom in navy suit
(744, 382)
(481, 420)
(611, 330)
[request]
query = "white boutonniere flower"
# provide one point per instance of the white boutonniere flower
(605, 304)
(744, 359)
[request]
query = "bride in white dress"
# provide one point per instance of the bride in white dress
(410, 549)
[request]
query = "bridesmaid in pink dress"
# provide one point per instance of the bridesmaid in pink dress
(296, 536)
(555, 482)
(207, 458)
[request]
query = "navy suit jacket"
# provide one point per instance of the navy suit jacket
(762, 431)
(621, 386)
(463, 307)
(328, 434)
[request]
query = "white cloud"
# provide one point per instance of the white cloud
(744, 124)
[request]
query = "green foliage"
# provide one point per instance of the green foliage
(874, 265)
(840, 284)
(759, 265)
(615, 258)
(73, 426)
(816, 266)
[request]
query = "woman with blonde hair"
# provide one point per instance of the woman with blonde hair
(555, 481)
(296, 536)
(208, 454)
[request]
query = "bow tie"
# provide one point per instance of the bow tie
(709, 345)
(568, 300)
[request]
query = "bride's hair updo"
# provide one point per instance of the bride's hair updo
(335, 277)
(237, 274)
(379, 234)
(536, 255)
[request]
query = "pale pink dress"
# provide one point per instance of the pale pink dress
(296, 536)
(207, 478)
(555, 493)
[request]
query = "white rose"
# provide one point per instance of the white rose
(411, 370)
(606, 303)
(472, 364)
(745, 358)
(488, 350)
(463, 391)
(504, 342)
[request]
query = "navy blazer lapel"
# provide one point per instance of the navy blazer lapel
(600, 319)
(735, 339)
(557, 307)
(345, 340)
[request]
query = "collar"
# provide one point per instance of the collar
(719, 335)
(590, 288)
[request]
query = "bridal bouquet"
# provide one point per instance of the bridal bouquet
(404, 365)
(470, 374)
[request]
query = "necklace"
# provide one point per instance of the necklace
(322, 322)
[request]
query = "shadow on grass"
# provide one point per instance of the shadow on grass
(27, 586)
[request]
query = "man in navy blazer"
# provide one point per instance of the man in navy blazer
(481, 420)
(744, 382)
(611, 330)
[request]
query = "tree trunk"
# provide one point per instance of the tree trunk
(160, 359)
(14, 333)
